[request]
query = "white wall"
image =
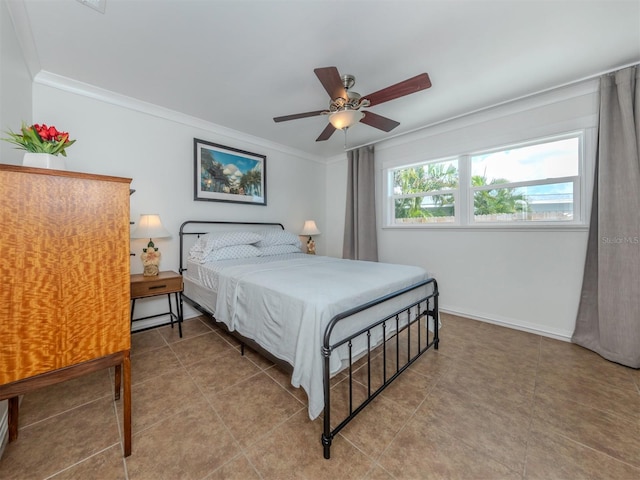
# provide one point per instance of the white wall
(528, 280)
(155, 148)
(15, 87)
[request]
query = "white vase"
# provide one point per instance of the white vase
(43, 160)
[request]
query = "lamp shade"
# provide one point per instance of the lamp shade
(345, 118)
(150, 226)
(310, 228)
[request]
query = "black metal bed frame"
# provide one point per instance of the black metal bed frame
(419, 310)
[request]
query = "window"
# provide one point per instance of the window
(534, 183)
(425, 193)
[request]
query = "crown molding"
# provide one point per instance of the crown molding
(510, 107)
(107, 96)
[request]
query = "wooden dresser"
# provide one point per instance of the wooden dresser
(64, 299)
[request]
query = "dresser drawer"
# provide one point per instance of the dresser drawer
(165, 282)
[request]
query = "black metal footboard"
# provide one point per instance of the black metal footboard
(396, 351)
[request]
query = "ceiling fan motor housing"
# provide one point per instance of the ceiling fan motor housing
(352, 102)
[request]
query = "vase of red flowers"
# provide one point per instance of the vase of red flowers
(43, 145)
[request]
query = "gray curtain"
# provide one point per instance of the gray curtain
(360, 235)
(608, 320)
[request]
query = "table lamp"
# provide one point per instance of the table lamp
(150, 226)
(310, 229)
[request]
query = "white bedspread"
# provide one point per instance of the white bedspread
(285, 305)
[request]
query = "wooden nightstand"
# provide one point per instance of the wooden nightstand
(165, 283)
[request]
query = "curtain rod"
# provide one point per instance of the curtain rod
(584, 79)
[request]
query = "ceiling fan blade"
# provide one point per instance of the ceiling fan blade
(412, 85)
(298, 115)
(326, 133)
(331, 81)
(378, 121)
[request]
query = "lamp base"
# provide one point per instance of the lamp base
(150, 271)
(150, 260)
(311, 246)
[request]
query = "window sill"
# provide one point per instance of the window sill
(539, 227)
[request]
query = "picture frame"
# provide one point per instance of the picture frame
(226, 174)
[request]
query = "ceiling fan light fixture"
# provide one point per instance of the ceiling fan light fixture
(345, 118)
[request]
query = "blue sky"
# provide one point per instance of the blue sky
(534, 162)
(244, 164)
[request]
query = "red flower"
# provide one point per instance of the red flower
(42, 131)
(41, 139)
(50, 134)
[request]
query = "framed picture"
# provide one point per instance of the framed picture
(225, 174)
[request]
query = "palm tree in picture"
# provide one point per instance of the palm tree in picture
(216, 179)
(251, 182)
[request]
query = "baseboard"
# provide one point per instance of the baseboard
(510, 323)
(139, 325)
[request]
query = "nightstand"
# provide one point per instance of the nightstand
(165, 283)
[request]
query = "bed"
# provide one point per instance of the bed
(324, 320)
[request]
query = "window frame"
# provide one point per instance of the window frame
(464, 196)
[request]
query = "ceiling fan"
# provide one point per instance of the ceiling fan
(345, 105)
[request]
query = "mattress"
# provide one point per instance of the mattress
(284, 303)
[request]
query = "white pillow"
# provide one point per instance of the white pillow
(214, 241)
(278, 250)
(234, 251)
(278, 237)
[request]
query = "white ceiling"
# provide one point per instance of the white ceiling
(240, 63)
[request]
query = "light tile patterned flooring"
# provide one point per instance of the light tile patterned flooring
(491, 403)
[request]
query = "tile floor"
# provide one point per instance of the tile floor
(491, 403)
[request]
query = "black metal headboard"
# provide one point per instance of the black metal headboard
(203, 231)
